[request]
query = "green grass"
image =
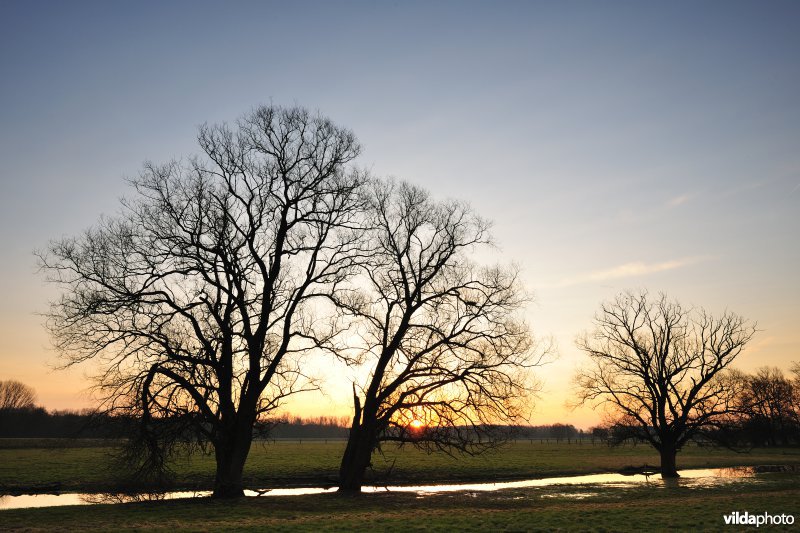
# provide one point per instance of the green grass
(652, 507)
(90, 468)
(643, 508)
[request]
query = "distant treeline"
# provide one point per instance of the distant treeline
(295, 427)
(558, 432)
(37, 422)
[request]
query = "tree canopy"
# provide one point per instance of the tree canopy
(441, 338)
(198, 297)
(660, 368)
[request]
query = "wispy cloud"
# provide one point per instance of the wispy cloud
(626, 270)
(678, 200)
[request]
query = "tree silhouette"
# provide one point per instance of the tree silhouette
(445, 353)
(767, 407)
(198, 300)
(660, 369)
(16, 395)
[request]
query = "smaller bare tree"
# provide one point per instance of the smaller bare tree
(440, 337)
(767, 406)
(659, 367)
(16, 395)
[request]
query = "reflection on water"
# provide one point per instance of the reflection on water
(40, 500)
(738, 471)
(697, 478)
(570, 495)
(74, 498)
(712, 476)
(112, 497)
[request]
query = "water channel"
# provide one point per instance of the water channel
(693, 477)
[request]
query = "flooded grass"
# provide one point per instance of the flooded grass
(686, 504)
(699, 478)
(578, 507)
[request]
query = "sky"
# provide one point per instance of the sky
(614, 145)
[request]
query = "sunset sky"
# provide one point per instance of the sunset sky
(615, 145)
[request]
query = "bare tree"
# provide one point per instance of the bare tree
(660, 367)
(768, 408)
(198, 299)
(445, 353)
(16, 395)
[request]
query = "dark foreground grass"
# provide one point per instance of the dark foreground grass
(652, 507)
(91, 469)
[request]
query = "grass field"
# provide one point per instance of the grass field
(88, 467)
(85, 466)
(643, 508)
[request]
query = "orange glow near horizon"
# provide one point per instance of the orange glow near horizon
(416, 424)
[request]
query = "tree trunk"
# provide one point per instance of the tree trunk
(231, 455)
(356, 459)
(668, 464)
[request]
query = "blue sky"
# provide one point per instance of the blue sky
(615, 145)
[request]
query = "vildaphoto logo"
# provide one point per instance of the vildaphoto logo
(747, 519)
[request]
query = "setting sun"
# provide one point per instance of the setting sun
(416, 424)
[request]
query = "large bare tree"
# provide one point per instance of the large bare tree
(444, 351)
(659, 367)
(197, 301)
(16, 395)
